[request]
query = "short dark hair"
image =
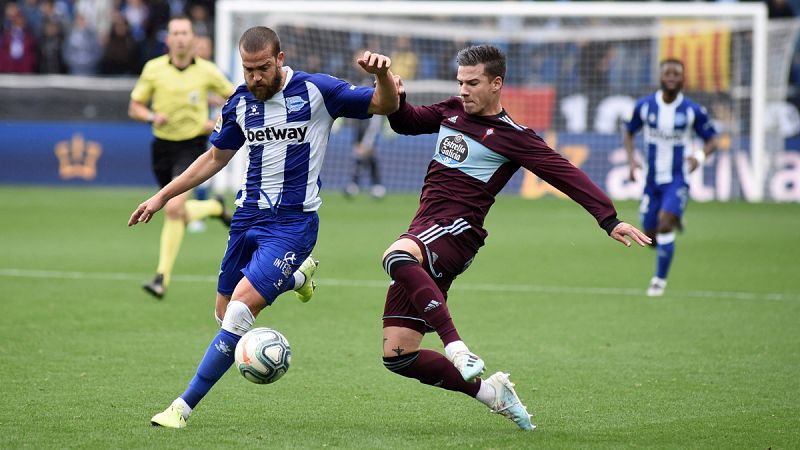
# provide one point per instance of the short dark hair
(181, 17)
(492, 57)
(666, 61)
(256, 39)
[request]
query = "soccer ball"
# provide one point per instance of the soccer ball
(263, 355)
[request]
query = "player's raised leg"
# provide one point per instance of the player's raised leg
(402, 262)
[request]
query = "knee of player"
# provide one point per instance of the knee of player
(665, 227)
(394, 259)
(238, 318)
(399, 363)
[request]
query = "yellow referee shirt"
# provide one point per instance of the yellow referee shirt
(182, 95)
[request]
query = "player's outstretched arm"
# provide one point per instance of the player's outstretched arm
(203, 168)
(623, 230)
(385, 100)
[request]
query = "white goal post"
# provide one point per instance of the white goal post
(536, 28)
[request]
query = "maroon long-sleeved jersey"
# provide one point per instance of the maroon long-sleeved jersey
(477, 155)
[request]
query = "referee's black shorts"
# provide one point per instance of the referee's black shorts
(171, 158)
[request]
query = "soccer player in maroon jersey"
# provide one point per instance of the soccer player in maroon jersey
(478, 149)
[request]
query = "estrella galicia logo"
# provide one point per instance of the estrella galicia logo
(453, 149)
(295, 103)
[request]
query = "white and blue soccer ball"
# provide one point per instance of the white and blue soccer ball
(263, 355)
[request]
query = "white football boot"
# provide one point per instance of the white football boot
(507, 402)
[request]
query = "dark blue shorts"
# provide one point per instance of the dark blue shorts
(671, 198)
(267, 248)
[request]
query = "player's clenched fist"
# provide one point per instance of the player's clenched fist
(374, 63)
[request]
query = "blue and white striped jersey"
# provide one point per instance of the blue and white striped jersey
(668, 134)
(286, 137)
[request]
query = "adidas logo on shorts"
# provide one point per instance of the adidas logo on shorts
(432, 305)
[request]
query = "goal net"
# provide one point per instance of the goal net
(574, 74)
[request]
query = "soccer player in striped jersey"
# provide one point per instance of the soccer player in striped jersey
(669, 119)
(479, 149)
(283, 119)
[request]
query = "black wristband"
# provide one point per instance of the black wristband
(609, 223)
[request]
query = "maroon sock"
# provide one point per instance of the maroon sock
(434, 369)
(428, 300)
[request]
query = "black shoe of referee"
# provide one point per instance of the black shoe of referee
(156, 286)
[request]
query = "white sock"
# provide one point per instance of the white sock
(486, 394)
(299, 279)
(186, 408)
(455, 347)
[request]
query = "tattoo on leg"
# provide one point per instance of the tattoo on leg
(398, 350)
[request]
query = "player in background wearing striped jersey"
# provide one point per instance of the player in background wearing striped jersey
(669, 120)
(478, 150)
(176, 87)
(283, 118)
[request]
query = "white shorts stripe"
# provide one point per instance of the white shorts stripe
(433, 237)
(430, 230)
(460, 229)
(435, 232)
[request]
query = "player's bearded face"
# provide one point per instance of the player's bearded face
(263, 74)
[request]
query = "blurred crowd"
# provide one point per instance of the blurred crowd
(576, 65)
(570, 65)
(116, 37)
(93, 37)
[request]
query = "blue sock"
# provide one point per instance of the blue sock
(217, 360)
(665, 249)
(291, 282)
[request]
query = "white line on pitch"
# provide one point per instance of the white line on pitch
(484, 287)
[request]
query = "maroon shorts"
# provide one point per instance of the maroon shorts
(447, 251)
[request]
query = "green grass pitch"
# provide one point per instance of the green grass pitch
(86, 358)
